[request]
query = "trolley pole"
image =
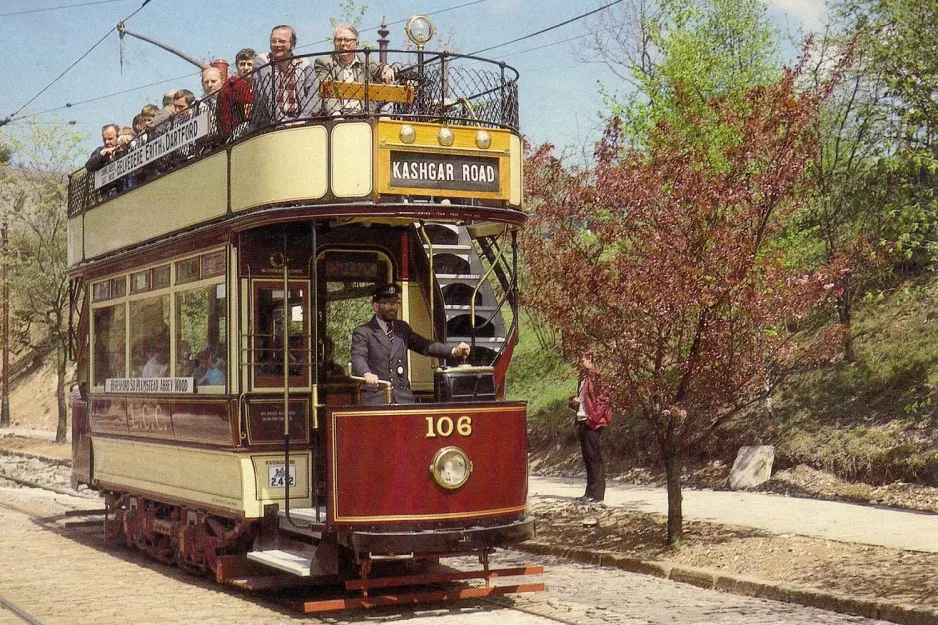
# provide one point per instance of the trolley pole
(5, 400)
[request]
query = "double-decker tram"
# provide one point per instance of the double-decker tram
(218, 269)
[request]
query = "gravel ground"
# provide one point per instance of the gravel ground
(901, 577)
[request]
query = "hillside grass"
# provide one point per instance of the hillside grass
(873, 420)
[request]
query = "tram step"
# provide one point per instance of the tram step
(480, 340)
(458, 277)
(305, 521)
(466, 307)
(283, 560)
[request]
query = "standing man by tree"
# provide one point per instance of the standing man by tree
(593, 413)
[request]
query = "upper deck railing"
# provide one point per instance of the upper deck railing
(442, 88)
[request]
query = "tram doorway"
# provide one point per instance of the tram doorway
(346, 280)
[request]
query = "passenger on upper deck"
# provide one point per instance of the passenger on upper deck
(285, 88)
(347, 66)
(104, 154)
(235, 98)
(166, 112)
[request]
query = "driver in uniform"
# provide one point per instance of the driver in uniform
(379, 349)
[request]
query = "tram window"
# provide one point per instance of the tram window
(109, 343)
(201, 335)
(350, 279)
(149, 337)
(346, 308)
(269, 332)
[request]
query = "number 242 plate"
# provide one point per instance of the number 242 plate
(276, 476)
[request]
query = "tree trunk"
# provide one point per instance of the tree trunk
(845, 316)
(61, 430)
(672, 467)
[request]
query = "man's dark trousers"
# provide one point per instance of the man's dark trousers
(592, 457)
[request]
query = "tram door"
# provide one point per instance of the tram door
(346, 280)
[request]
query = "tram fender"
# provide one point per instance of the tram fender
(441, 541)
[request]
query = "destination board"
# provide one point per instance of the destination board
(422, 170)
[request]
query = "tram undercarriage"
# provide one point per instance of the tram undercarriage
(365, 568)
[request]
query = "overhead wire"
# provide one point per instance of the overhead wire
(548, 29)
(64, 6)
(103, 97)
(77, 61)
(459, 6)
(395, 23)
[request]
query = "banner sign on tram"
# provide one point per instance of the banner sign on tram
(149, 385)
(444, 171)
(176, 137)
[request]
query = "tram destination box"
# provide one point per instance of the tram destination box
(464, 383)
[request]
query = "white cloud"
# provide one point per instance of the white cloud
(810, 13)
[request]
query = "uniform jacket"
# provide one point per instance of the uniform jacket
(372, 352)
(264, 87)
(328, 68)
(597, 407)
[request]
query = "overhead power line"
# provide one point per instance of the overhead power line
(548, 29)
(395, 23)
(64, 6)
(77, 61)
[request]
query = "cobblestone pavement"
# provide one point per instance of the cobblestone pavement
(70, 577)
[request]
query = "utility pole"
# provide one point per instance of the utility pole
(5, 400)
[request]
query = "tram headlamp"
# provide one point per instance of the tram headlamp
(451, 467)
(408, 133)
(420, 30)
(483, 139)
(446, 137)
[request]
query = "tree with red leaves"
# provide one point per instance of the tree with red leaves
(664, 265)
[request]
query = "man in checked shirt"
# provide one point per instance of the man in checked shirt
(285, 87)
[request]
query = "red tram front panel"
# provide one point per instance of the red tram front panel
(379, 462)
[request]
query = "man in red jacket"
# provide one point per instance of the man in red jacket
(593, 414)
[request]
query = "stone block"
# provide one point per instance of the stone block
(752, 467)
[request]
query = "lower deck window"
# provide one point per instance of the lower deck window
(201, 328)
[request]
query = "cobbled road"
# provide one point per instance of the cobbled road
(71, 577)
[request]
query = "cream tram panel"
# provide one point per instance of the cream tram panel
(352, 159)
(132, 217)
(282, 166)
(76, 235)
(418, 312)
(213, 478)
(517, 171)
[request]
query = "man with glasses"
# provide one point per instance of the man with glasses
(344, 65)
(379, 349)
(285, 88)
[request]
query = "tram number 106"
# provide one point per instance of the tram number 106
(445, 426)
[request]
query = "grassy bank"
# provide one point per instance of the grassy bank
(872, 420)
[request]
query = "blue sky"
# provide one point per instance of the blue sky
(559, 90)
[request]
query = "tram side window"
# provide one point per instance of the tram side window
(269, 332)
(201, 331)
(109, 343)
(149, 337)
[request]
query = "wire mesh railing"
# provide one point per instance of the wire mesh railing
(440, 88)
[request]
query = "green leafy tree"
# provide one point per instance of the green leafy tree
(684, 50)
(871, 197)
(34, 200)
(666, 267)
(901, 41)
